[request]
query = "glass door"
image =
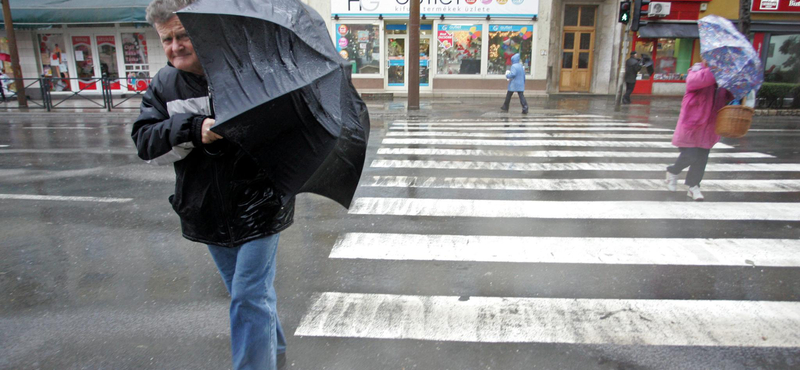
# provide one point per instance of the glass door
(396, 61)
(84, 62)
(424, 60)
(107, 56)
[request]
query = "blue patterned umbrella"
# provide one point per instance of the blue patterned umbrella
(731, 57)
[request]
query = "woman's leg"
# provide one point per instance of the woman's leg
(698, 167)
(685, 159)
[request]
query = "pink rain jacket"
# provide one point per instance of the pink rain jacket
(698, 116)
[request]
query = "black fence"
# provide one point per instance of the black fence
(50, 93)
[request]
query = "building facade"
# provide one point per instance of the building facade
(566, 46)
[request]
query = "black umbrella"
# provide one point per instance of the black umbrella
(282, 93)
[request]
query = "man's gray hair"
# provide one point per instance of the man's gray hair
(160, 11)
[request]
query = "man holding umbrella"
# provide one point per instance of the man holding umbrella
(632, 67)
(222, 196)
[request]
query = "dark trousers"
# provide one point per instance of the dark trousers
(626, 99)
(694, 158)
(522, 100)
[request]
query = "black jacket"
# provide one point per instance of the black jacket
(632, 68)
(220, 195)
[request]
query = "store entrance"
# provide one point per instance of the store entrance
(396, 71)
(577, 53)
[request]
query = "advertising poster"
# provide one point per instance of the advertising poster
(137, 69)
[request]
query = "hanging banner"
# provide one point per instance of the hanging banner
(448, 8)
(775, 6)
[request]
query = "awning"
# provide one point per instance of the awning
(669, 31)
(45, 12)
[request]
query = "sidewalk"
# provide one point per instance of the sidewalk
(396, 108)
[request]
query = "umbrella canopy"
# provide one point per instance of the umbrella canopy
(282, 93)
(731, 57)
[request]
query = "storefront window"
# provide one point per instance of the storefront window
(673, 59)
(137, 69)
(84, 62)
(459, 49)
(504, 42)
(783, 59)
(360, 44)
(54, 61)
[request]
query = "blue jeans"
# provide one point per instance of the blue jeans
(248, 271)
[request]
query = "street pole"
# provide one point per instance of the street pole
(413, 56)
(744, 17)
(12, 45)
(626, 35)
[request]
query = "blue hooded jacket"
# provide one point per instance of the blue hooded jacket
(516, 75)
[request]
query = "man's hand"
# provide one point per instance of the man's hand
(208, 135)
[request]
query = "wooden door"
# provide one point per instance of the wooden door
(577, 48)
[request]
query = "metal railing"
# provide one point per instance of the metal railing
(51, 93)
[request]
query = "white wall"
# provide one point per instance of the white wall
(541, 29)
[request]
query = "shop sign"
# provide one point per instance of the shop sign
(516, 8)
(775, 6)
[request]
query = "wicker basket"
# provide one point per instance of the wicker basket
(733, 121)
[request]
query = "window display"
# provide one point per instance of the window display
(360, 44)
(673, 59)
(84, 63)
(54, 62)
(459, 49)
(783, 59)
(137, 70)
(107, 55)
(504, 42)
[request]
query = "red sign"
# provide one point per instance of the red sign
(105, 40)
(776, 6)
(77, 40)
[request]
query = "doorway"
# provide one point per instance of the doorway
(577, 52)
(396, 57)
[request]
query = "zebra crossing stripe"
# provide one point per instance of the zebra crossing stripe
(478, 183)
(553, 153)
(543, 128)
(523, 166)
(571, 143)
(579, 135)
(570, 123)
(651, 322)
(63, 198)
(620, 251)
(577, 209)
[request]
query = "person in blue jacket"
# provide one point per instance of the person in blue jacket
(516, 83)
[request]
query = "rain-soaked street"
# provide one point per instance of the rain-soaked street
(477, 240)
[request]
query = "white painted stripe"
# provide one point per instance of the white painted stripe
(621, 251)
(554, 320)
(63, 198)
(523, 166)
(523, 124)
(578, 143)
(553, 153)
(3, 146)
(579, 135)
(589, 117)
(573, 184)
(58, 128)
(577, 210)
(516, 128)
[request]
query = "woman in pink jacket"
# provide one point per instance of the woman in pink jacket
(694, 134)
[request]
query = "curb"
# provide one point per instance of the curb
(777, 112)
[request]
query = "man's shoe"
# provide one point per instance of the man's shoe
(525, 111)
(503, 109)
(695, 194)
(281, 360)
(672, 181)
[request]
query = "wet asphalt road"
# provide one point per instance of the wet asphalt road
(108, 283)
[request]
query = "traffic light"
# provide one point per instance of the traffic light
(624, 12)
(636, 21)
